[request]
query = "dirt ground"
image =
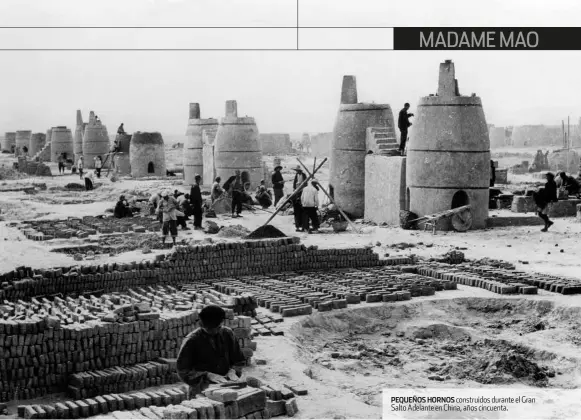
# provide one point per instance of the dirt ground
(467, 337)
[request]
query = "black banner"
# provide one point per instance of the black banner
(481, 38)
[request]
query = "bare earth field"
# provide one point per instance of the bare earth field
(345, 357)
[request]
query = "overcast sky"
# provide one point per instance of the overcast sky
(288, 91)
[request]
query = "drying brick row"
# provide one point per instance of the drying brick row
(458, 275)
(262, 402)
(185, 264)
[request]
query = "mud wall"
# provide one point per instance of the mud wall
(385, 188)
(321, 144)
(564, 160)
(497, 137)
(275, 143)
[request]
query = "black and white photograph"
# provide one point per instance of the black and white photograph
(311, 209)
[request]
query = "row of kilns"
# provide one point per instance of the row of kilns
(448, 158)
(349, 147)
(236, 147)
(25, 143)
(448, 154)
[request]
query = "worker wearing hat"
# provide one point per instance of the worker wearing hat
(168, 208)
(210, 354)
(277, 184)
(300, 177)
(197, 201)
(310, 204)
(237, 188)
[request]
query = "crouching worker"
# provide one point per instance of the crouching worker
(210, 354)
(122, 209)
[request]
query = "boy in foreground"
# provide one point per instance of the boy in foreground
(210, 354)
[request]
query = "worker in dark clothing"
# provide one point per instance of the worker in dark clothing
(492, 173)
(121, 129)
(196, 202)
(544, 198)
(403, 123)
(570, 184)
(300, 177)
(237, 195)
(277, 184)
(210, 354)
(185, 205)
(122, 209)
(263, 196)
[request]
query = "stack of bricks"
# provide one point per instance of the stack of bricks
(499, 280)
(185, 264)
(260, 402)
(45, 230)
(43, 170)
(267, 325)
(39, 354)
(243, 303)
(121, 379)
(292, 294)
(138, 223)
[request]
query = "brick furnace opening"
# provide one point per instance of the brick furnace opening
(460, 199)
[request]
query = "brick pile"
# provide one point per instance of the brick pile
(185, 264)
(33, 167)
(71, 328)
(121, 379)
(46, 230)
(38, 355)
(502, 280)
(260, 402)
(267, 325)
(292, 294)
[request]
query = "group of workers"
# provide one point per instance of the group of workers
(238, 191)
(305, 199)
(173, 210)
(98, 166)
(541, 162)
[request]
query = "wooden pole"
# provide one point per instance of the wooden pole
(332, 201)
(305, 182)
